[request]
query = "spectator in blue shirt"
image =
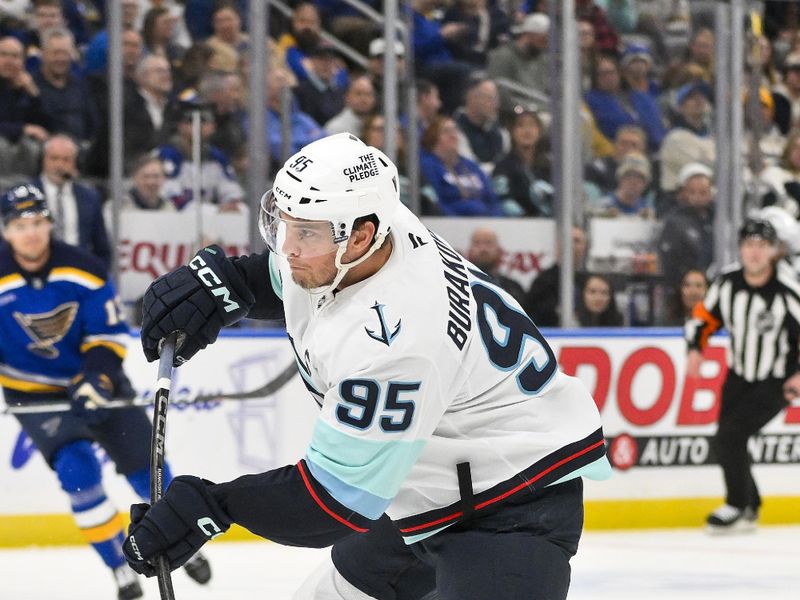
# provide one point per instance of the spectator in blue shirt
(454, 184)
(305, 35)
(630, 197)
(614, 106)
(95, 58)
(304, 129)
(432, 56)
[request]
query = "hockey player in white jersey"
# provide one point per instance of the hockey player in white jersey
(449, 448)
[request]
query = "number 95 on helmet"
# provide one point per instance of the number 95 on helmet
(319, 194)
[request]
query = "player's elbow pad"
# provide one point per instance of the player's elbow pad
(289, 507)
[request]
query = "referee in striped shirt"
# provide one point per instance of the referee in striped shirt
(758, 302)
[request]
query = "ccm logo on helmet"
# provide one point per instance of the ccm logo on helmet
(212, 282)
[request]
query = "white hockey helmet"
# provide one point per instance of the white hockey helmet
(786, 226)
(329, 183)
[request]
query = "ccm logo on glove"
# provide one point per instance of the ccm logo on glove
(135, 548)
(212, 282)
(204, 522)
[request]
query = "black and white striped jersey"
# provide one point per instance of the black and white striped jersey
(763, 323)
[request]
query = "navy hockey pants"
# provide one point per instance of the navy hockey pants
(124, 435)
(745, 408)
(520, 552)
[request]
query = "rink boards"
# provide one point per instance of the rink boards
(658, 426)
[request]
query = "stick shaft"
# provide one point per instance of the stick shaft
(157, 452)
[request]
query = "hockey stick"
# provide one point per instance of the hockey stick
(157, 452)
(269, 388)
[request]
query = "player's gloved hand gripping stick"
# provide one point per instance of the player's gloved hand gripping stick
(198, 300)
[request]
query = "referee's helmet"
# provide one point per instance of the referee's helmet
(760, 229)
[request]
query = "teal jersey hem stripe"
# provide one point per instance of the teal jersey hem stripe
(598, 470)
(375, 466)
(364, 503)
(413, 539)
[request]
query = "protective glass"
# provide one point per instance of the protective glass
(294, 238)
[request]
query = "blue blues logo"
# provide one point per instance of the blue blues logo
(385, 336)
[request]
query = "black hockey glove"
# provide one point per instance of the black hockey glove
(197, 300)
(90, 393)
(176, 526)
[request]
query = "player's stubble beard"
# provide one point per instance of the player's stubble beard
(315, 277)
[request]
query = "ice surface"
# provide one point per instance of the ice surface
(651, 565)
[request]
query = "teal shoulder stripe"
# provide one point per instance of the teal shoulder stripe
(275, 277)
(375, 466)
(362, 502)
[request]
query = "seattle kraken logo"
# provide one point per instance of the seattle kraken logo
(385, 337)
(47, 329)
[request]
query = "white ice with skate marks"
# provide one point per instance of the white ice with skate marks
(644, 565)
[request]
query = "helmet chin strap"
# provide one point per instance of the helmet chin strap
(342, 269)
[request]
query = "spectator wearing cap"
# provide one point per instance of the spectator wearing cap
(687, 239)
(630, 197)
(525, 61)
(614, 104)
(636, 65)
(484, 140)
(787, 95)
(359, 103)
(601, 174)
(690, 138)
(522, 176)
(783, 180)
(376, 64)
(217, 178)
(487, 25)
(321, 96)
(455, 185)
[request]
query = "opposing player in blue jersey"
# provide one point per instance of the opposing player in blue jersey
(448, 453)
(61, 336)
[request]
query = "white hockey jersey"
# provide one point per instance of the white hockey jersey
(425, 366)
